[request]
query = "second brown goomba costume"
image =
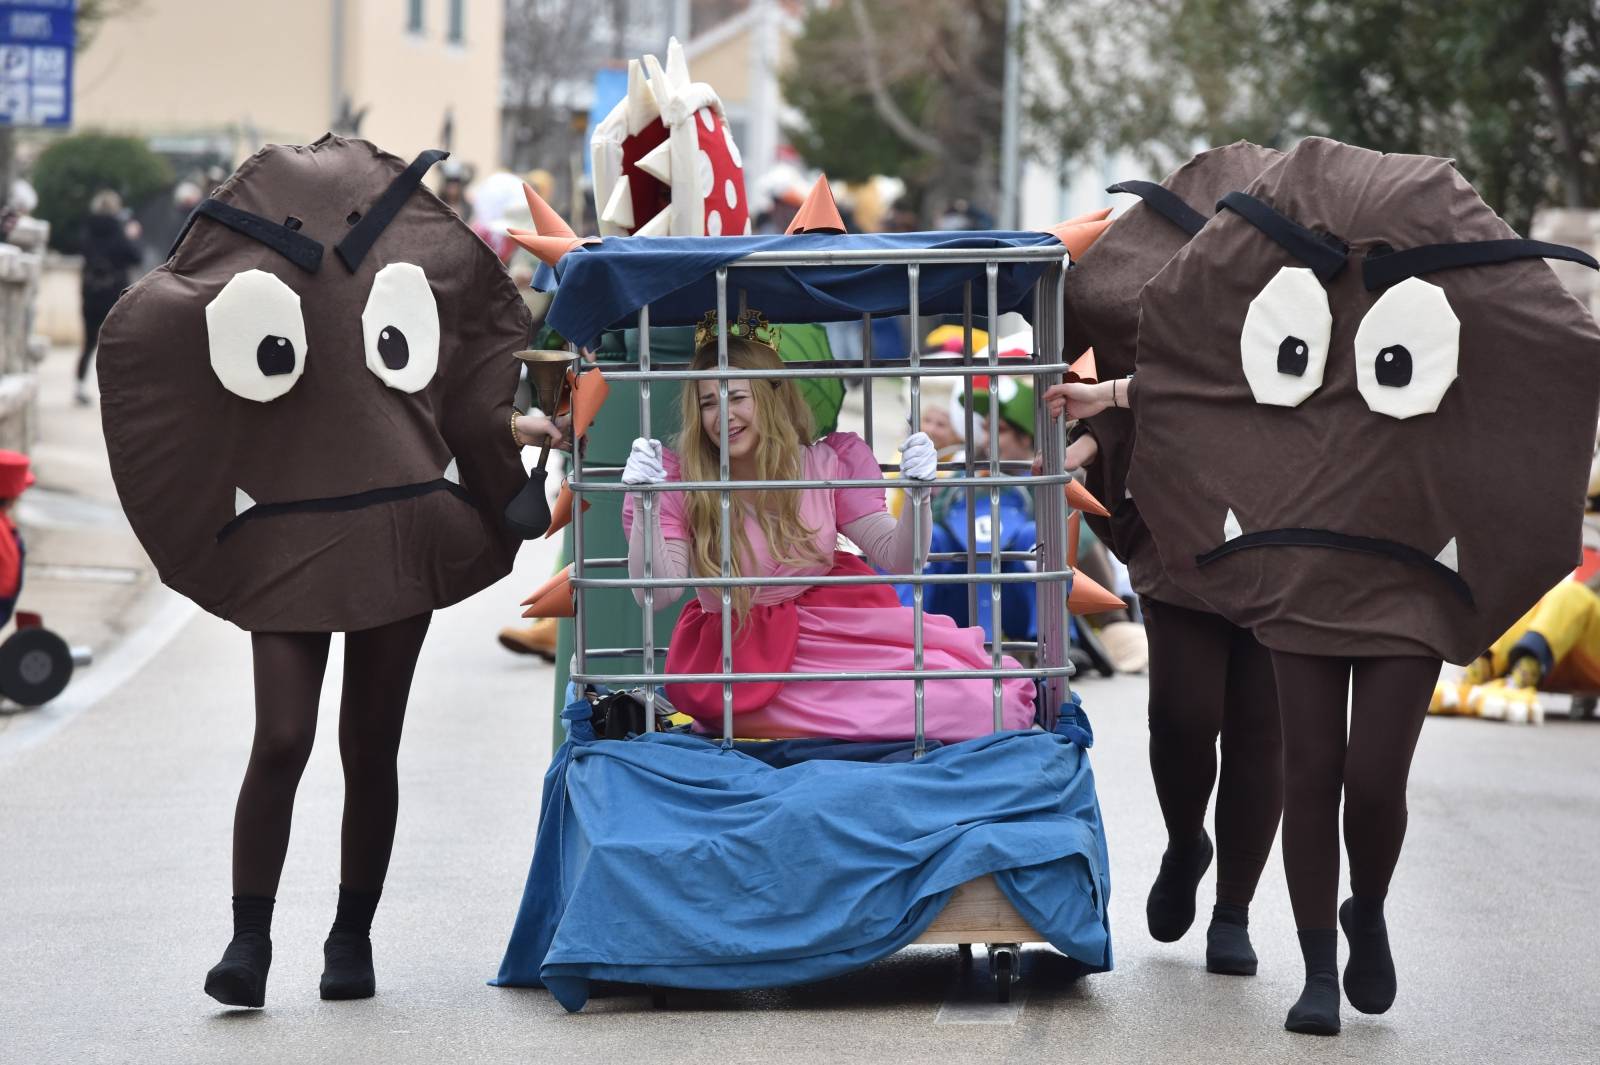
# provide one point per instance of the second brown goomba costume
(1365, 412)
(1208, 678)
(308, 414)
(307, 407)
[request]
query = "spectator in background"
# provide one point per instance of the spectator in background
(110, 247)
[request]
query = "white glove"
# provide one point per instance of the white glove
(918, 459)
(644, 463)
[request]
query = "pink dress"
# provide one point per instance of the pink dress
(829, 629)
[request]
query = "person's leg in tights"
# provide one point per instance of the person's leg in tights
(95, 312)
(1312, 694)
(1389, 704)
(288, 681)
(1188, 680)
(1249, 800)
(378, 669)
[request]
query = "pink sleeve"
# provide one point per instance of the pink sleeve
(670, 512)
(856, 463)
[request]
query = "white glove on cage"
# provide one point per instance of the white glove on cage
(644, 463)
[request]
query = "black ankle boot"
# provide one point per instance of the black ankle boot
(1228, 948)
(1369, 980)
(240, 978)
(347, 953)
(1317, 1011)
(1170, 907)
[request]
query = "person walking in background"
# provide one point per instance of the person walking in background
(110, 248)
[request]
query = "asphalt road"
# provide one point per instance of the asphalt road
(115, 814)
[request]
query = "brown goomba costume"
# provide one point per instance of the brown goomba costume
(1208, 677)
(308, 414)
(1365, 413)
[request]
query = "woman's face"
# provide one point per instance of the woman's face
(742, 430)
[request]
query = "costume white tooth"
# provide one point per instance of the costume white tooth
(658, 162)
(1447, 557)
(241, 502)
(660, 84)
(659, 226)
(619, 208)
(642, 109)
(677, 66)
(452, 473)
(1230, 526)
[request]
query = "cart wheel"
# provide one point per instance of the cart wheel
(35, 665)
(966, 955)
(1003, 962)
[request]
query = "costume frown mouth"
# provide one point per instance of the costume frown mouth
(247, 509)
(1445, 564)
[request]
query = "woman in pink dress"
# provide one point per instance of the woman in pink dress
(796, 628)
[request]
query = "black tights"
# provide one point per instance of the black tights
(1388, 699)
(378, 667)
(1211, 678)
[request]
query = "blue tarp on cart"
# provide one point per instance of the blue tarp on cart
(602, 286)
(668, 860)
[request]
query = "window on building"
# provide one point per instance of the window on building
(458, 21)
(414, 15)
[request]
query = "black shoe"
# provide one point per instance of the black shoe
(1369, 979)
(1170, 907)
(240, 978)
(347, 967)
(1317, 1011)
(1228, 947)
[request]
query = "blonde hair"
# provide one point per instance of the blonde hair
(784, 428)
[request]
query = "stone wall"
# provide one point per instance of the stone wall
(21, 350)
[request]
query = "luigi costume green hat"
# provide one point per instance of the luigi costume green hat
(1016, 402)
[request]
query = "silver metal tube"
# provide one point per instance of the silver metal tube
(578, 665)
(648, 512)
(992, 279)
(1011, 647)
(901, 256)
(1053, 548)
(1025, 577)
(866, 384)
(933, 556)
(815, 370)
(728, 679)
(843, 482)
(968, 459)
(726, 498)
(918, 551)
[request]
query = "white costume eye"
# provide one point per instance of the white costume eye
(257, 336)
(1407, 349)
(400, 327)
(1284, 345)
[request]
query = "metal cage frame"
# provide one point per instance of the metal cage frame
(1052, 571)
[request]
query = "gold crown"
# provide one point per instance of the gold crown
(751, 324)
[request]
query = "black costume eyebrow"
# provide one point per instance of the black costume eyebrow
(364, 234)
(1383, 266)
(1324, 253)
(291, 244)
(1164, 202)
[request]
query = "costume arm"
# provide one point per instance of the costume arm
(670, 561)
(889, 544)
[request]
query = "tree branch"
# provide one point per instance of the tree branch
(882, 102)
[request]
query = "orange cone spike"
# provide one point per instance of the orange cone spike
(587, 399)
(554, 599)
(1079, 236)
(819, 213)
(1083, 369)
(548, 250)
(1087, 597)
(1087, 216)
(561, 513)
(1080, 498)
(546, 221)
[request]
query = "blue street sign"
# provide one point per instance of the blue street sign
(36, 43)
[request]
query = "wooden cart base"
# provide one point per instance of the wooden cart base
(979, 912)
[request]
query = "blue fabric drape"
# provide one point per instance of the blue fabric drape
(667, 860)
(602, 286)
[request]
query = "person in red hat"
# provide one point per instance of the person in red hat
(15, 477)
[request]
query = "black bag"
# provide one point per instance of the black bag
(617, 715)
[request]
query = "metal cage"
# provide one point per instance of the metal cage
(1052, 570)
